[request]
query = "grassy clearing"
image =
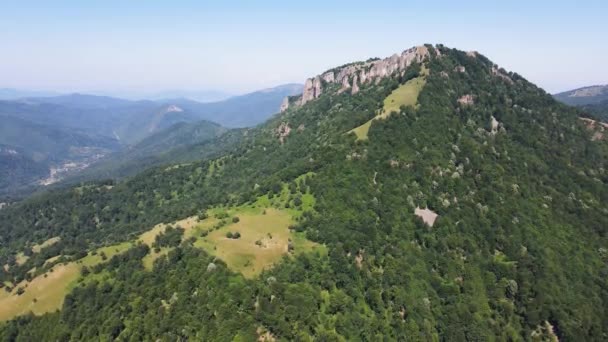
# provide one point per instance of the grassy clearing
(192, 227)
(404, 95)
(45, 293)
(49, 242)
(21, 258)
(265, 238)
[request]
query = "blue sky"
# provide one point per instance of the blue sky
(148, 46)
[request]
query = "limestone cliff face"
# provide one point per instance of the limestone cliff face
(284, 104)
(312, 89)
(352, 76)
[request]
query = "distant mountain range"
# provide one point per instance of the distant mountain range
(60, 135)
(584, 96)
(593, 100)
(13, 94)
(242, 111)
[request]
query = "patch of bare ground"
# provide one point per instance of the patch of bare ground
(427, 215)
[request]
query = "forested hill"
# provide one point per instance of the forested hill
(455, 200)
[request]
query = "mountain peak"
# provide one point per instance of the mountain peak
(351, 76)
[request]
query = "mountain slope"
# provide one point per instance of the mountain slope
(33, 151)
(517, 251)
(245, 110)
(129, 122)
(182, 142)
(598, 111)
(584, 96)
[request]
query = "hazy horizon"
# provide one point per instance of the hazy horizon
(114, 47)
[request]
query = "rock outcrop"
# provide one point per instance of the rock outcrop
(466, 100)
(283, 131)
(361, 73)
(284, 104)
(312, 89)
(501, 73)
(355, 86)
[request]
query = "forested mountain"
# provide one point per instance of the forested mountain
(592, 100)
(123, 120)
(598, 111)
(31, 152)
(182, 142)
(454, 200)
(584, 96)
(245, 110)
(84, 129)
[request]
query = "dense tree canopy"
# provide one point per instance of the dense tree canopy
(519, 249)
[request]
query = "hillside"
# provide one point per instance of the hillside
(245, 110)
(584, 96)
(140, 133)
(180, 143)
(118, 119)
(471, 207)
(33, 153)
(598, 111)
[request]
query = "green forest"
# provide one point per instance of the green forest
(519, 249)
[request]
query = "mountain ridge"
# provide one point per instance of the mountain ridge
(588, 95)
(516, 250)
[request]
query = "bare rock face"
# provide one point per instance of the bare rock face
(466, 100)
(309, 92)
(283, 131)
(460, 69)
(500, 73)
(312, 89)
(284, 104)
(355, 86)
(494, 125)
(345, 85)
(329, 77)
(362, 73)
(427, 215)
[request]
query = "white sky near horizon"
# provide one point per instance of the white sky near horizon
(236, 47)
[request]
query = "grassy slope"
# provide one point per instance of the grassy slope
(405, 95)
(49, 289)
(258, 221)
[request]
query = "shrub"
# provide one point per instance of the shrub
(235, 235)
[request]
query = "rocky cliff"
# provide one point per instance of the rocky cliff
(353, 75)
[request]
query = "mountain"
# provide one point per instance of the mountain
(63, 135)
(132, 121)
(32, 152)
(584, 96)
(81, 101)
(127, 124)
(598, 111)
(430, 195)
(17, 170)
(127, 121)
(182, 142)
(13, 94)
(245, 110)
(199, 96)
(593, 101)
